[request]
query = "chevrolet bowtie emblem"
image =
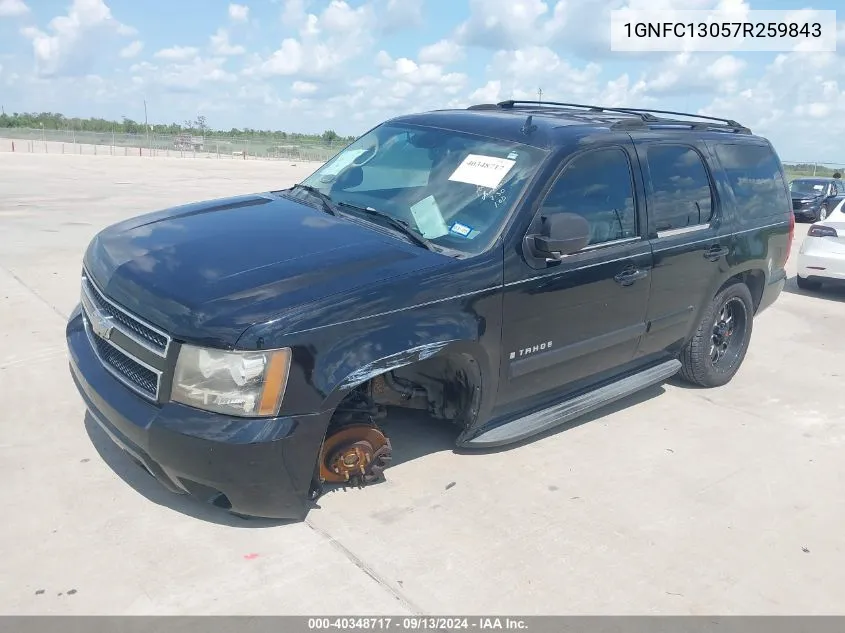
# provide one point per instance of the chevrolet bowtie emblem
(102, 324)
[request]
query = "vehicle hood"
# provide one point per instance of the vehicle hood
(207, 271)
(807, 196)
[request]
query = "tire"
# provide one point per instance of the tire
(716, 351)
(806, 284)
(822, 214)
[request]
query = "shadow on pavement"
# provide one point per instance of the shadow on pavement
(832, 290)
(413, 435)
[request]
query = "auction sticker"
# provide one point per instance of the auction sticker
(484, 171)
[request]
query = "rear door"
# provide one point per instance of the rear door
(690, 237)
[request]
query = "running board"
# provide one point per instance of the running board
(546, 419)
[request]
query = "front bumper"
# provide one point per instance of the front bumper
(262, 467)
(808, 212)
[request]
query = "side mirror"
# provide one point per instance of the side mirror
(560, 234)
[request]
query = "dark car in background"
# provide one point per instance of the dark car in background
(814, 198)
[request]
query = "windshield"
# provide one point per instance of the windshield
(814, 187)
(455, 189)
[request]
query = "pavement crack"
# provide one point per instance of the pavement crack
(364, 567)
(35, 293)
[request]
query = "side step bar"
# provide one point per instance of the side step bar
(560, 413)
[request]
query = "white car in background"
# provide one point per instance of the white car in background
(822, 254)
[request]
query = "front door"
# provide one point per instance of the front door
(566, 323)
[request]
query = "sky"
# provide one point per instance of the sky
(346, 65)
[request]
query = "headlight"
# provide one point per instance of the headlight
(249, 384)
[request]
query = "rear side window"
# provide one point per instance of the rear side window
(680, 188)
(755, 176)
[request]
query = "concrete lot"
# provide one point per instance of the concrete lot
(677, 501)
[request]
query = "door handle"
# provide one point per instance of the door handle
(630, 275)
(714, 253)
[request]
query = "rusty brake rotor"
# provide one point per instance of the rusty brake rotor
(355, 454)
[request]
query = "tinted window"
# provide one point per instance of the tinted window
(455, 189)
(681, 194)
(399, 161)
(597, 185)
(808, 186)
(755, 175)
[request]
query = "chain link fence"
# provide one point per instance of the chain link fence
(805, 169)
(41, 141)
(228, 147)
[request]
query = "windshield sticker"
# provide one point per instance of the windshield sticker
(341, 162)
(483, 171)
(429, 220)
(461, 229)
(818, 187)
(513, 155)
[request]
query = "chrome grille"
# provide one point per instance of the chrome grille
(138, 330)
(141, 377)
(103, 316)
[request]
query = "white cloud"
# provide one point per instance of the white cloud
(183, 75)
(67, 44)
(340, 17)
(294, 12)
(132, 49)
(326, 41)
(686, 73)
(239, 12)
(177, 53)
(443, 52)
(725, 68)
(220, 44)
(303, 88)
(797, 101)
(405, 72)
(502, 24)
(13, 8)
(401, 14)
(581, 28)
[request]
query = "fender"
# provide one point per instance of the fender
(755, 257)
(355, 359)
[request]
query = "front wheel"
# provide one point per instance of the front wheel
(718, 347)
(822, 215)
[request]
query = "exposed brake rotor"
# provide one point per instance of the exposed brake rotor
(356, 454)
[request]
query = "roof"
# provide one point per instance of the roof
(540, 123)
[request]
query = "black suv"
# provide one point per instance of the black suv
(506, 267)
(814, 198)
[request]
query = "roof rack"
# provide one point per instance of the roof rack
(645, 116)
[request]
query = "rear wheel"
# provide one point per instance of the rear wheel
(718, 347)
(807, 284)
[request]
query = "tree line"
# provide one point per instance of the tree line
(57, 121)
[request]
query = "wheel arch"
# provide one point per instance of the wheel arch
(460, 357)
(754, 278)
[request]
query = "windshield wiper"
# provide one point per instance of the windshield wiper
(325, 200)
(400, 225)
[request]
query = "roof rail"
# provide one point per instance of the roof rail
(644, 115)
